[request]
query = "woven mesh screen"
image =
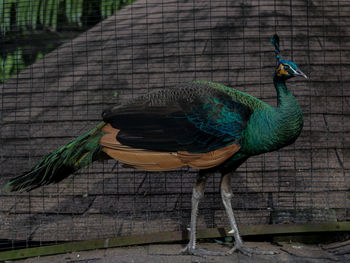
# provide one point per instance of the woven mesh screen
(151, 45)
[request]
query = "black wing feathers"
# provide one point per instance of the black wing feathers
(195, 118)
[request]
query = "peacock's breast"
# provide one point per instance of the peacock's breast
(270, 129)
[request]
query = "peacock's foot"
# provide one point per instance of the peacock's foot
(250, 251)
(201, 252)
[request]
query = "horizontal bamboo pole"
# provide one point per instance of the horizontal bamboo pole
(174, 236)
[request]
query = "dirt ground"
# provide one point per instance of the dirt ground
(286, 252)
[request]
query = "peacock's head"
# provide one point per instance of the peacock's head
(285, 69)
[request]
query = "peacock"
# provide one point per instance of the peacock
(203, 125)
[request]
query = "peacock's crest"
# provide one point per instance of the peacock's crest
(285, 68)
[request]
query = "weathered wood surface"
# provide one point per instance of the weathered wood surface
(155, 44)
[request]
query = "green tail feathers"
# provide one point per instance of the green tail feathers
(60, 164)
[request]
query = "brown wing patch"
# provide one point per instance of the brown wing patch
(161, 161)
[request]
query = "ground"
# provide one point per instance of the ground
(287, 252)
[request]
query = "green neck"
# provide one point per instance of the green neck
(288, 118)
(282, 91)
(273, 128)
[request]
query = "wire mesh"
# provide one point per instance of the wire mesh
(150, 45)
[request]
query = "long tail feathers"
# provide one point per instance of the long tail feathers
(60, 164)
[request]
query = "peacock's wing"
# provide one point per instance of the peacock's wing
(194, 118)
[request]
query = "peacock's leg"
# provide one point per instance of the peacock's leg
(197, 194)
(226, 195)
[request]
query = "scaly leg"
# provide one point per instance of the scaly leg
(197, 194)
(226, 195)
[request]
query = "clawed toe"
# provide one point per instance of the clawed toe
(241, 248)
(201, 252)
(250, 251)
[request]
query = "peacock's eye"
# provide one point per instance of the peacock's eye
(286, 67)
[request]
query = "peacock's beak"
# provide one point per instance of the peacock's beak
(300, 73)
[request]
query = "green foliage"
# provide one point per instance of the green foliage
(13, 63)
(24, 16)
(29, 14)
(5, 15)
